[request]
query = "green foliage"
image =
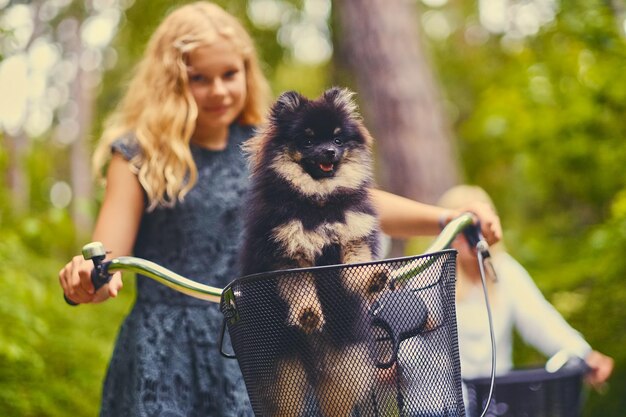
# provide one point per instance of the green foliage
(52, 356)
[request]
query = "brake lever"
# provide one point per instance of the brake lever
(476, 240)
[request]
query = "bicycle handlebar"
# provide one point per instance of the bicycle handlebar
(101, 274)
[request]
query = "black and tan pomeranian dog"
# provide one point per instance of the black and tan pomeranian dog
(309, 205)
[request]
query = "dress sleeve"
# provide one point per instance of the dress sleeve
(127, 146)
(537, 321)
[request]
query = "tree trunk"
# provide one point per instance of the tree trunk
(18, 143)
(16, 177)
(80, 156)
(81, 91)
(379, 42)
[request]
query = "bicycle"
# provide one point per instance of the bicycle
(405, 341)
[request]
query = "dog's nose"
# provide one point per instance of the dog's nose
(330, 153)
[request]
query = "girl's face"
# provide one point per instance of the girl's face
(217, 81)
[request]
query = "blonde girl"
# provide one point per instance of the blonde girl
(175, 178)
(516, 302)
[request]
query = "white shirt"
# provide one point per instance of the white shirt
(517, 303)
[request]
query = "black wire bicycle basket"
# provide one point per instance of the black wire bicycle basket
(532, 392)
(375, 339)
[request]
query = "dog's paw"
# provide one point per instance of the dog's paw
(377, 282)
(368, 283)
(309, 319)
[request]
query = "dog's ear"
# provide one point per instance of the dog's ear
(287, 103)
(343, 99)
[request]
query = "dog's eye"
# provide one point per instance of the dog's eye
(338, 141)
(308, 143)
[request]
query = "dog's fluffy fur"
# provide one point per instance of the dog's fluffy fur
(310, 206)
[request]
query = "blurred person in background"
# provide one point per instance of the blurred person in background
(515, 301)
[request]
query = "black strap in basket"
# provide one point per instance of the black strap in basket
(397, 316)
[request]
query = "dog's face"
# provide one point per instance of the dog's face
(320, 133)
(320, 145)
(317, 145)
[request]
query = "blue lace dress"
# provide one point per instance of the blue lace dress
(166, 360)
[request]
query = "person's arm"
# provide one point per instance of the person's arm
(116, 227)
(121, 211)
(540, 324)
(537, 321)
(402, 217)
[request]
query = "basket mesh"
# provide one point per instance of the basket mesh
(334, 341)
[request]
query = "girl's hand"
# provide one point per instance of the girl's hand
(489, 221)
(75, 279)
(601, 367)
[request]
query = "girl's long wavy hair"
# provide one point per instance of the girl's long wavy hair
(159, 110)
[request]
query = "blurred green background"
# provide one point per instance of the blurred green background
(534, 91)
